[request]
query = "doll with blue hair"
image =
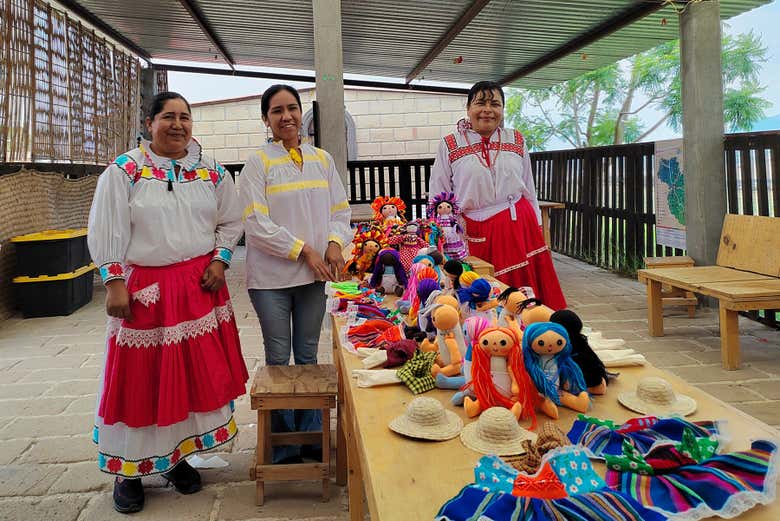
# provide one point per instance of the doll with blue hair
(477, 300)
(548, 360)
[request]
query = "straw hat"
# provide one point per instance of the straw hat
(655, 396)
(496, 432)
(426, 418)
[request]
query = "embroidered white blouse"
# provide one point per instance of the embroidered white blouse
(482, 191)
(144, 213)
(285, 207)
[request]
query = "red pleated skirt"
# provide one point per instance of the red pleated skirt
(517, 251)
(178, 354)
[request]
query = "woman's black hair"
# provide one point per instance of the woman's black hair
(487, 87)
(158, 102)
(270, 92)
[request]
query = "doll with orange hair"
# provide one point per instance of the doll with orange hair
(367, 245)
(388, 211)
(498, 376)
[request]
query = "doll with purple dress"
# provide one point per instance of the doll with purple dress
(443, 209)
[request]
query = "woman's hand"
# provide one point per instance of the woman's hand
(118, 300)
(214, 277)
(316, 263)
(335, 261)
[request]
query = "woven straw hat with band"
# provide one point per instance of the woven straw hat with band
(656, 397)
(426, 418)
(496, 432)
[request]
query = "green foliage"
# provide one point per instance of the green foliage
(601, 106)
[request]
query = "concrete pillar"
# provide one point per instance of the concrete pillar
(702, 102)
(148, 90)
(329, 66)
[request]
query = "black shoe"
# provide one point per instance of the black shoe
(185, 478)
(128, 495)
(309, 452)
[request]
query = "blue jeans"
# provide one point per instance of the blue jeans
(275, 308)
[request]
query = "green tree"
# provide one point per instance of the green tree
(601, 107)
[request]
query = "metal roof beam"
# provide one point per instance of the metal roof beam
(309, 79)
(602, 30)
(197, 15)
(103, 27)
(454, 30)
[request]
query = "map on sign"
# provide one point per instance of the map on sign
(669, 194)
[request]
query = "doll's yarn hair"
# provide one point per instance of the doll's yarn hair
(424, 289)
(467, 278)
(473, 327)
(411, 290)
(372, 234)
(482, 381)
(443, 197)
(381, 201)
(379, 268)
(570, 372)
(424, 256)
(478, 292)
(454, 267)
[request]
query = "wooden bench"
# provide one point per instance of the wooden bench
(292, 387)
(746, 278)
(673, 296)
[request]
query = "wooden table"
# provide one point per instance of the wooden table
(545, 207)
(361, 213)
(406, 480)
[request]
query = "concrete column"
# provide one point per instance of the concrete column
(702, 101)
(148, 90)
(329, 65)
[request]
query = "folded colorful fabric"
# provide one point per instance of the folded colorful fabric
(416, 373)
(724, 485)
(602, 437)
(472, 503)
(664, 458)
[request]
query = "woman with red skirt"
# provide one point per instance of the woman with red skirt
(489, 170)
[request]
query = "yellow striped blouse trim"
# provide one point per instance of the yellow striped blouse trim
(343, 205)
(255, 207)
(298, 185)
(268, 162)
(296, 250)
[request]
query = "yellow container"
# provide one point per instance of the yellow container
(51, 252)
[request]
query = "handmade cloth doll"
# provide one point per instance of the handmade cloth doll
(473, 328)
(559, 380)
(498, 376)
(531, 310)
(592, 367)
(452, 271)
(425, 287)
(389, 274)
(407, 240)
(388, 211)
(367, 246)
(443, 209)
(476, 300)
(451, 347)
(511, 300)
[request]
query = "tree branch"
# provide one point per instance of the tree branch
(594, 105)
(651, 129)
(651, 100)
(553, 126)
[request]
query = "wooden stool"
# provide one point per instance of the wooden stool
(292, 387)
(480, 267)
(673, 296)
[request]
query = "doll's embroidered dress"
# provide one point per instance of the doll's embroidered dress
(493, 182)
(173, 370)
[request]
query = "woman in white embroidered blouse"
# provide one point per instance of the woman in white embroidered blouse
(163, 224)
(489, 170)
(297, 222)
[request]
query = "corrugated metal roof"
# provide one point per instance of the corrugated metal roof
(384, 38)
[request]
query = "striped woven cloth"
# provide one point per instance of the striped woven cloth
(724, 485)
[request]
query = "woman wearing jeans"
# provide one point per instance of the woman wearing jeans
(297, 222)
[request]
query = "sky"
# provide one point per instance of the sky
(764, 21)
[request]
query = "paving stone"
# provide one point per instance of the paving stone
(75, 388)
(12, 449)
(56, 362)
(236, 471)
(666, 345)
(714, 373)
(769, 390)
(24, 390)
(246, 439)
(664, 360)
(82, 477)
(161, 504)
(55, 508)
(82, 405)
(767, 412)
(732, 393)
(61, 375)
(28, 480)
(61, 450)
(33, 407)
(40, 426)
(95, 348)
(283, 500)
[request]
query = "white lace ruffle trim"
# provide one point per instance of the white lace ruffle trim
(160, 336)
(148, 295)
